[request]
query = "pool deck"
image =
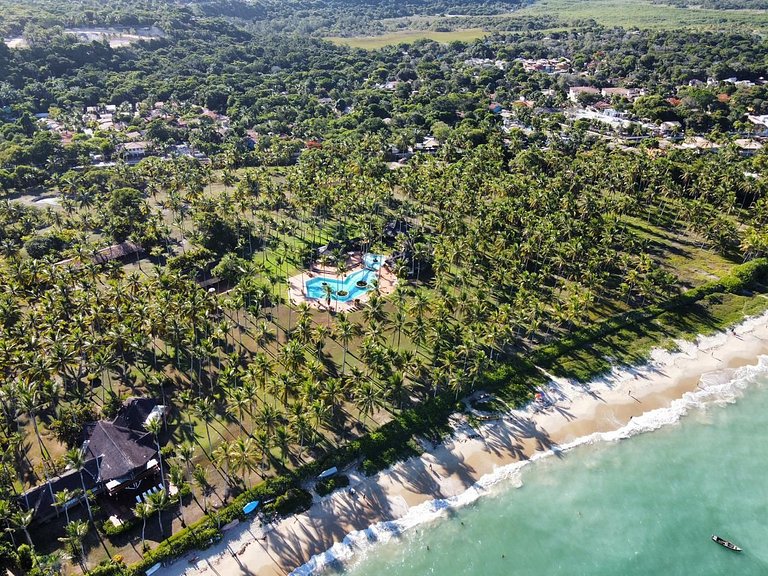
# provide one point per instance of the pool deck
(296, 293)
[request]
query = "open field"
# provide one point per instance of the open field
(624, 13)
(406, 36)
(644, 14)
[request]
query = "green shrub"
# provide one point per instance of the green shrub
(109, 568)
(294, 501)
(369, 467)
(8, 556)
(111, 530)
(328, 485)
(24, 555)
(41, 246)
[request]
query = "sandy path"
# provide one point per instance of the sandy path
(456, 465)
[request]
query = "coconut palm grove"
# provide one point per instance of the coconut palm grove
(170, 185)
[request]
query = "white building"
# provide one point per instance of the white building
(575, 91)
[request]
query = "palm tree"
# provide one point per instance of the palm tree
(185, 452)
(176, 476)
(400, 321)
(143, 510)
(205, 409)
(159, 502)
(367, 399)
(237, 404)
(220, 459)
(396, 388)
(29, 401)
(283, 442)
(61, 498)
(76, 533)
(300, 425)
(267, 418)
(154, 427)
(74, 459)
(344, 331)
(243, 456)
(22, 520)
(260, 370)
(327, 294)
(199, 478)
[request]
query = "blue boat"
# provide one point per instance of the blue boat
(328, 473)
(251, 506)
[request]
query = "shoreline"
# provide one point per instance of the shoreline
(462, 467)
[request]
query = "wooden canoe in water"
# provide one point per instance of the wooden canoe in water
(726, 543)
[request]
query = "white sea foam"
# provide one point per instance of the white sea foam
(716, 388)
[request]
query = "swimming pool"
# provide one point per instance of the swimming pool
(353, 286)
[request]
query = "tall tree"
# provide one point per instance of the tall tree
(74, 459)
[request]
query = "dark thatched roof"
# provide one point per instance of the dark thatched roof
(134, 413)
(40, 499)
(116, 251)
(123, 452)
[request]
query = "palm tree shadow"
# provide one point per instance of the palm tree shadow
(521, 428)
(297, 539)
(568, 415)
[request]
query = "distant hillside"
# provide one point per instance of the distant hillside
(717, 4)
(301, 16)
(398, 9)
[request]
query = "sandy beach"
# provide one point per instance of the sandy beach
(459, 469)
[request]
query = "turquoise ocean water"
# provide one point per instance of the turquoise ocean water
(644, 505)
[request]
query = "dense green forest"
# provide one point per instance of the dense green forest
(520, 243)
(293, 15)
(275, 85)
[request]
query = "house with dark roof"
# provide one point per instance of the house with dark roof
(135, 413)
(117, 252)
(41, 499)
(394, 228)
(125, 456)
(117, 454)
(120, 251)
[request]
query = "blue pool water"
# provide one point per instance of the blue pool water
(314, 287)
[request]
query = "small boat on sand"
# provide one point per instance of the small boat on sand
(726, 543)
